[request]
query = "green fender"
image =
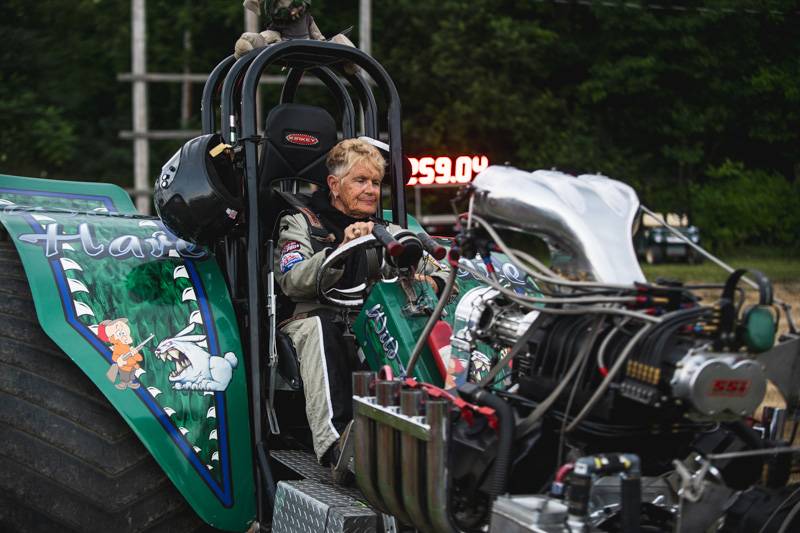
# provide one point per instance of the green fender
(90, 257)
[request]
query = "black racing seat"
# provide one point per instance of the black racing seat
(296, 143)
(297, 139)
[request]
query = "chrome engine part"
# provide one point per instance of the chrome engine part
(528, 514)
(588, 218)
(594, 373)
(483, 315)
(719, 385)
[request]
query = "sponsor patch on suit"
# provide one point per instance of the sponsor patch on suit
(289, 260)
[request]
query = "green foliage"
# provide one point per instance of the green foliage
(58, 86)
(736, 207)
(52, 137)
(653, 97)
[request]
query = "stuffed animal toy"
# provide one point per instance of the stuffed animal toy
(290, 19)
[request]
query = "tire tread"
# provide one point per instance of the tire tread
(70, 463)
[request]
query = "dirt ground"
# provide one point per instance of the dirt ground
(790, 293)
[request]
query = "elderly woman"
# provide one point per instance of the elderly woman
(334, 216)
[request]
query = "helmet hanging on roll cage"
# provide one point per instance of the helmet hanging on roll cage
(196, 194)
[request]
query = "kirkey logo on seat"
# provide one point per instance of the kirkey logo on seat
(303, 139)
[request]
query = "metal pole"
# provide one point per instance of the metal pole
(141, 148)
(365, 26)
(250, 21)
(186, 84)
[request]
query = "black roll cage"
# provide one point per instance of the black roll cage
(236, 83)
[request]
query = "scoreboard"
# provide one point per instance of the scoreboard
(443, 171)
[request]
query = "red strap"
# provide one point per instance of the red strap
(468, 410)
(438, 339)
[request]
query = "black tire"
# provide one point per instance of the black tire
(68, 462)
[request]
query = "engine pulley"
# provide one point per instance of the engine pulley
(718, 384)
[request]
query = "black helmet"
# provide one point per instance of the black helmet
(196, 194)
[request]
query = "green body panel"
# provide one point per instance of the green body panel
(90, 258)
(387, 329)
(387, 333)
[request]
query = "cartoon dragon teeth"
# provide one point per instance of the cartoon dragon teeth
(195, 368)
(181, 362)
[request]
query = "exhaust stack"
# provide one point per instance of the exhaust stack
(401, 444)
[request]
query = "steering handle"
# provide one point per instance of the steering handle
(432, 247)
(393, 247)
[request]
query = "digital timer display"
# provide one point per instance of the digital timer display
(444, 170)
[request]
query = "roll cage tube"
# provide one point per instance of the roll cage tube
(298, 54)
(366, 100)
(232, 88)
(212, 87)
(343, 100)
(289, 89)
(230, 111)
(317, 53)
(214, 84)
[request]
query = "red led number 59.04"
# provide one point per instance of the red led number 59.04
(445, 170)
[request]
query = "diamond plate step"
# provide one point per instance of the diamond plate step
(310, 506)
(306, 466)
(304, 463)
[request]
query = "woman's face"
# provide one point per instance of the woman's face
(356, 193)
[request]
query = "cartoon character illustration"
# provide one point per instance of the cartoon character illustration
(480, 366)
(195, 368)
(455, 372)
(126, 359)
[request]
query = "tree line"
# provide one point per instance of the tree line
(698, 108)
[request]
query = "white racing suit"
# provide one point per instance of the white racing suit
(325, 366)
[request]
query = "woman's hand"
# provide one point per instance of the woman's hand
(429, 280)
(356, 230)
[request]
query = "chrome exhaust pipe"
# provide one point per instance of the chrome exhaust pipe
(437, 475)
(387, 442)
(397, 448)
(412, 454)
(364, 458)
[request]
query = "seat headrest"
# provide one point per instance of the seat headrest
(298, 137)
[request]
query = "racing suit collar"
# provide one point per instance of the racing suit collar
(334, 220)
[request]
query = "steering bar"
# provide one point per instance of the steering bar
(393, 247)
(432, 247)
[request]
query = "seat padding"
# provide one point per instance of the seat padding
(288, 365)
(297, 139)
